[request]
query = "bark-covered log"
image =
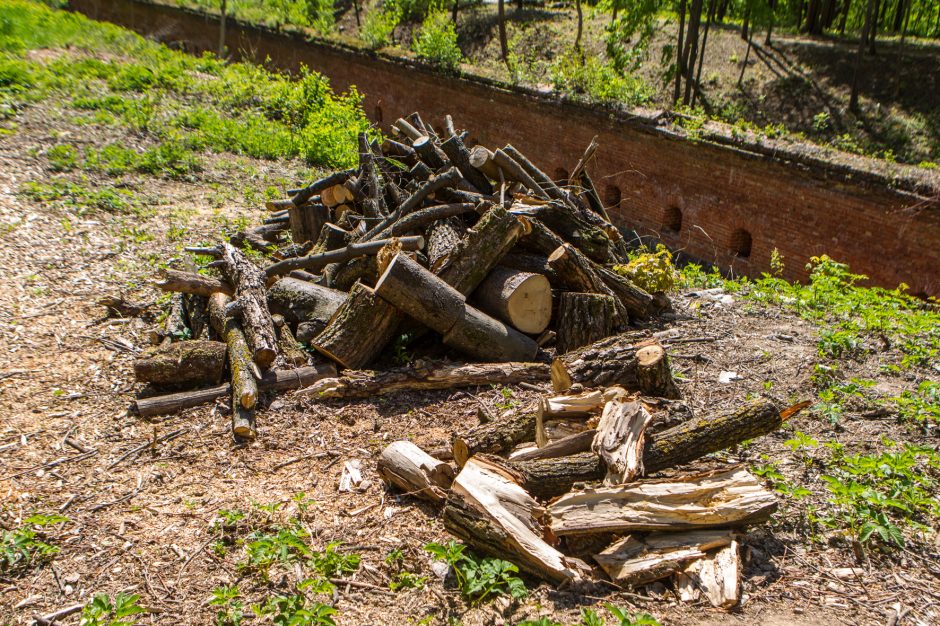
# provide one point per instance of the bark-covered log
(496, 437)
(568, 224)
(336, 178)
(174, 327)
(482, 159)
(459, 155)
(244, 372)
(303, 301)
(359, 330)
(428, 299)
(192, 283)
(443, 236)
(614, 361)
(307, 220)
(252, 304)
(432, 156)
(185, 363)
(532, 263)
(419, 219)
(584, 318)
(290, 350)
(331, 237)
(577, 273)
(544, 181)
(515, 172)
(374, 201)
(670, 448)
(639, 303)
(426, 376)
(520, 299)
(197, 315)
(243, 422)
(417, 473)
(314, 263)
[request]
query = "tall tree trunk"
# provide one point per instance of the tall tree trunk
(453, 12)
(747, 55)
(701, 57)
(691, 44)
(519, 5)
(870, 13)
(770, 24)
(722, 10)
(746, 22)
(680, 68)
(899, 12)
(222, 29)
(811, 25)
(828, 14)
(503, 46)
(846, 6)
(577, 39)
(873, 27)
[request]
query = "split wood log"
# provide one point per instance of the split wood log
(244, 372)
(185, 363)
(564, 221)
(481, 250)
(314, 263)
(290, 350)
(565, 446)
(496, 437)
(620, 440)
(482, 159)
(515, 172)
(307, 220)
(443, 236)
(637, 560)
(459, 155)
(520, 299)
(726, 498)
(426, 376)
(617, 360)
(547, 478)
(717, 575)
(557, 417)
(404, 465)
(359, 330)
(190, 282)
(251, 304)
(576, 273)
(336, 178)
(584, 318)
(429, 153)
(493, 514)
(272, 380)
(303, 301)
(425, 297)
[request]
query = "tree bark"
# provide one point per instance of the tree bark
(307, 220)
(314, 263)
(188, 282)
(584, 318)
(569, 224)
(359, 330)
(512, 170)
(496, 437)
(244, 372)
(520, 299)
(459, 155)
(252, 304)
(181, 364)
(576, 273)
(302, 301)
(443, 237)
(290, 350)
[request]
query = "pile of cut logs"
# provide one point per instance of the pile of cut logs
(496, 274)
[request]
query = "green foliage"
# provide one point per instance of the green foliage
(479, 578)
(25, 547)
(284, 546)
(378, 28)
(296, 610)
(231, 608)
(62, 157)
(81, 198)
(103, 611)
(436, 42)
(628, 37)
(632, 619)
(407, 580)
(652, 271)
(598, 80)
(331, 563)
(921, 406)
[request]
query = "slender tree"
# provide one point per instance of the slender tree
(680, 67)
(222, 29)
(871, 13)
(577, 39)
(503, 44)
(772, 4)
(691, 45)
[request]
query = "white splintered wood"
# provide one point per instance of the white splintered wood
(620, 438)
(717, 575)
(560, 416)
(724, 498)
(412, 470)
(637, 560)
(494, 493)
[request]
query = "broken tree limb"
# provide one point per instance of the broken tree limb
(620, 440)
(417, 473)
(482, 159)
(373, 204)
(496, 437)
(726, 498)
(251, 302)
(192, 283)
(244, 372)
(287, 345)
(426, 376)
(717, 575)
(182, 363)
(429, 153)
(422, 217)
(568, 224)
(316, 262)
(566, 446)
(637, 560)
(359, 329)
(513, 171)
(443, 236)
(584, 318)
(272, 380)
(459, 155)
(491, 513)
(616, 361)
(520, 299)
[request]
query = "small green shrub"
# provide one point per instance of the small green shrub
(26, 546)
(103, 611)
(436, 42)
(652, 271)
(63, 157)
(378, 28)
(479, 578)
(598, 80)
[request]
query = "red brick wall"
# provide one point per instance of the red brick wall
(724, 196)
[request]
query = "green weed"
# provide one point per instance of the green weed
(479, 578)
(26, 546)
(105, 611)
(436, 42)
(231, 607)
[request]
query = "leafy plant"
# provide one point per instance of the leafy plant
(103, 611)
(296, 610)
(333, 563)
(378, 28)
(25, 547)
(649, 270)
(230, 612)
(62, 157)
(407, 580)
(436, 42)
(479, 578)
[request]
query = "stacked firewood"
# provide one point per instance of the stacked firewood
(499, 275)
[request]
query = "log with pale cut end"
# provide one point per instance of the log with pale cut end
(637, 560)
(307, 220)
(406, 466)
(425, 297)
(426, 376)
(576, 273)
(721, 499)
(496, 437)
(491, 513)
(244, 372)
(481, 249)
(546, 478)
(290, 350)
(184, 363)
(336, 178)
(192, 283)
(272, 380)
(459, 155)
(520, 299)
(359, 330)
(620, 440)
(482, 159)
(717, 575)
(432, 156)
(303, 301)
(584, 318)
(512, 170)
(251, 304)
(243, 422)
(614, 361)
(568, 224)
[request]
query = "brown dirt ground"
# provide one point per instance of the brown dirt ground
(142, 523)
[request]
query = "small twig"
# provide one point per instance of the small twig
(152, 442)
(51, 618)
(190, 560)
(61, 461)
(360, 585)
(123, 498)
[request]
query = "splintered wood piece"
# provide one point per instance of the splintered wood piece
(302, 301)
(408, 467)
(565, 446)
(725, 498)
(243, 370)
(637, 560)
(620, 440)
(521, 299)
(493, 514)
(717, 575)
(359, 330)
(183, 363)
(496, 437)
(252, 304)
(290, 350)
(615, 361)
(584, 318)
(427, 375)
(559, 417)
